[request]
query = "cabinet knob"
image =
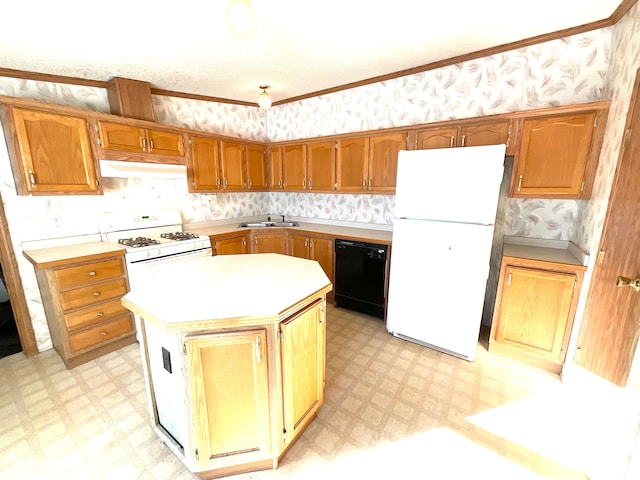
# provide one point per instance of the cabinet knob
(96, 294)
(452, 141)
(92, 273)
(100, 314)
(519, 182)
(464, 140)
(32, 179)
(151, 145)
(364, 183)
(143, 143)
(103, 333)
(370, 182)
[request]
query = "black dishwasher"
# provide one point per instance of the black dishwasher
(360, 276)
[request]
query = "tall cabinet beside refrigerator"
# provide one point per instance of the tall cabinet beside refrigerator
(445, 210)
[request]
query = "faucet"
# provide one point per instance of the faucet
(269, 217)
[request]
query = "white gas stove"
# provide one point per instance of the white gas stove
(151, 236)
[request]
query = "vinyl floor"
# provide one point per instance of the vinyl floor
(392, 409)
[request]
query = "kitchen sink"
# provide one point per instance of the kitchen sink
(268, 224)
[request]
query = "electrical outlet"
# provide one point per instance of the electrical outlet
(209, 200)
(352, 211)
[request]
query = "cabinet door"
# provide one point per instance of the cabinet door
(232, 161)
(275, 168)
(294, 167)
(321, 250)
(231, 245)
(256, 168)
(442, 137)
(270, 243)
(165, 143)
(534, 311)
(53, 154)
(229, 385)
(302, 368)
(487, 134)
(352, 162)
(126, 138)
(553, 156)
(383, 161)
(203, 168)
(321, 167)
(299, 246)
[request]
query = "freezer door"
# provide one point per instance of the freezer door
(453, 184)
(437, 283)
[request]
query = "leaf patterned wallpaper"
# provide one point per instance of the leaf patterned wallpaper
(564, 71)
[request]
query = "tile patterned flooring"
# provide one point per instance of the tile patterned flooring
(392, 410)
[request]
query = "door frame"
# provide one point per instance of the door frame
(15, 289)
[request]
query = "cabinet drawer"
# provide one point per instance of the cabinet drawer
(101, 333)
(98, 292)
(94, 314)
(88, 273)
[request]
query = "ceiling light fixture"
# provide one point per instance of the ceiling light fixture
(264, 100)
(241, 18)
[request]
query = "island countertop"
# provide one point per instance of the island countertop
(230, 290)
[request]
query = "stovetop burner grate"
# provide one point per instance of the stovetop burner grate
(138, 242)
(179, 236)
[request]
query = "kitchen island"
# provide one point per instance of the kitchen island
(233, 350)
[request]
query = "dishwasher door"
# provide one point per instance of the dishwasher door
(361, 276)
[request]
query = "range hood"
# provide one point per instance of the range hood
(126, 169)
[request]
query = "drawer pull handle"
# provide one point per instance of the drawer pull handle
(92, 273)
(103, 333)
(96, 294)
(100, 314)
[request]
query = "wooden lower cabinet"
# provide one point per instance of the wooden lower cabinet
(246, 392)
(230, 244)
(271, 242)
(81, 299)
(229, 386)
(315, 248)
(303, 374)
(534, 312)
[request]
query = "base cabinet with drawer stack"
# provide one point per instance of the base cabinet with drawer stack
(81, 288)
(535, 306)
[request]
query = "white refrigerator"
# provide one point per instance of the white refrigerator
(446, 201)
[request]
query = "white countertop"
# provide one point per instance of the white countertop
(230, 290)
(375, 235)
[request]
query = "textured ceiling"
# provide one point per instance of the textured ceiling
(298, 47)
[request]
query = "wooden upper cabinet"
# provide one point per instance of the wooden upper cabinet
(443, 137)
(203, 166)
(294, 167)
(496, 133)
(130, 138)
(127, 138)
(233, 420)
(165, 143)
(275, 168)
(352, 164)
(51, 153)
(256, 167)
(383, 161)
(233, 166)
(321, 166)
(493, 133)
(557, 156)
